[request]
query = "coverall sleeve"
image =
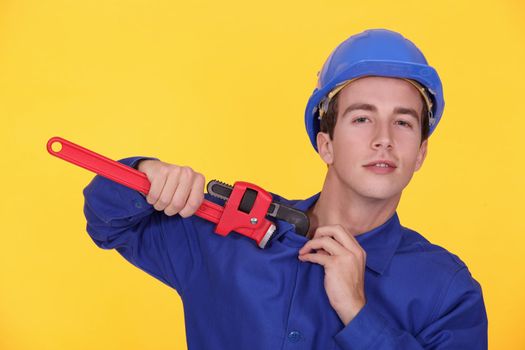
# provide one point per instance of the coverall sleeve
(120, 218)
(458, 323)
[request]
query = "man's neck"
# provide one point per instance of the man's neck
(340, 205)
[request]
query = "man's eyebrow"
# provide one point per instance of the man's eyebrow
(372, 108)
(409, 111)
(360, 106)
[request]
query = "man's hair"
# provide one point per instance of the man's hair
(329, 120)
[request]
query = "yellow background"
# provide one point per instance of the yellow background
(222, 86)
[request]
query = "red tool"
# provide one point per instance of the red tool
(252, 224)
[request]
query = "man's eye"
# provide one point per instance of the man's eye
(404, 123)
(360, 120)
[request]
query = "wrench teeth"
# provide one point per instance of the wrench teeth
(221, 185)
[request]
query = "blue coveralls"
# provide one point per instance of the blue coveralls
(238, 296)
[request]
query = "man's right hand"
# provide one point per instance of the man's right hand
(174, 189)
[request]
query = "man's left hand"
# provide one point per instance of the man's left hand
(343, 260)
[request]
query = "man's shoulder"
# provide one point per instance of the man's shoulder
(433, 256)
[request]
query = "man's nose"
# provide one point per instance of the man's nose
(382, 137)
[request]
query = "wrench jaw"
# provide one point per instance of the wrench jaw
(267, 236)
(219, 189)
(276, 210)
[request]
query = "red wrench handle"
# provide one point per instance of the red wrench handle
(99, 164)
(118, 172)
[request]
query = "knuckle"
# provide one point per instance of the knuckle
(164, 170)
(185, 213)
(361, 254)
(174, 170)
(162, 202)
(177, 204)
(326, 239)
(337, 260)
(339, 227)
(194, 203)
(158, 207)
(199, 178)
(186, 171)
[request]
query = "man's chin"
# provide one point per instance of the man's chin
(381, 193)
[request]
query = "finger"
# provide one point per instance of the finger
(322, 251)
(338, 233)
(195, 198)
(157, 184)
(178, 202)
(341, 235)
(327, 243)
(320, 259)
(168, 190)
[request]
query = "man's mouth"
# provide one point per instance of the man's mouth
(381, 164)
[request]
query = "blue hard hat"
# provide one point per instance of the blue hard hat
(374, 52)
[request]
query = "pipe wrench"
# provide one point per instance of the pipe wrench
(246, 205)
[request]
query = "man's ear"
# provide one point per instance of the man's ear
(324, 145)
(421, 155)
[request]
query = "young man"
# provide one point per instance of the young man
(358, 280)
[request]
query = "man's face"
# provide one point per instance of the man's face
(376, 146)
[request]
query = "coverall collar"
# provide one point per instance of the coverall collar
(380, 243)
